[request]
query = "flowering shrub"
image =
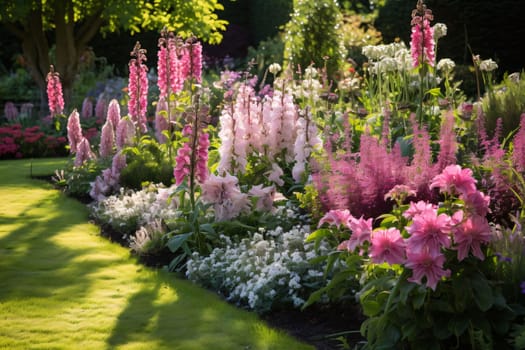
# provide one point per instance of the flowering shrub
(128, 210)
(267, 269)
(426, 278)
(18, 142)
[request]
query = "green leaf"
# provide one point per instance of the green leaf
(371, 307)
(176, 242)
(482, 292)
(318, 234)
(458, 324)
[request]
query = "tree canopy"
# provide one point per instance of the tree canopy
(69, 25)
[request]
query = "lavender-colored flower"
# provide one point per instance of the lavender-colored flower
(10, 111)
(87, 108)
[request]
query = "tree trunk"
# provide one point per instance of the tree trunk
(35, 49)
(71, 41)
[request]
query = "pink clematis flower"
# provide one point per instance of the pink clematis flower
(387, 246)
(429, 231)
(469, 234)
(427, 264)
(453, 179)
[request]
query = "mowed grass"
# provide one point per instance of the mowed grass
(62, 286)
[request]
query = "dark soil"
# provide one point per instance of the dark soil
(327, 327)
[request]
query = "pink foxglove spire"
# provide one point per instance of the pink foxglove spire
(422, 37)
(84, 152)
(113, 113)
(87, 108)
(191, 60)
(54, 92)
(168, 65)
(161, 120)
(74, 131)
(107, 140)
(125, 133)
(138, 88)
(201, 166)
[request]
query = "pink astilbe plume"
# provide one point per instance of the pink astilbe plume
(84, 152)
(518, 153)
(54, 92)
(447, 142)
(387, 245)
(74, 131)
(422, 37)
(113, 114)
(107, 140)
(125, 133)
(161, 121)
(138, 88)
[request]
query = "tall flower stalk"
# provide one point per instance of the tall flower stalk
(54, 92)
(422, 46)
(169, 80)
(138, 88)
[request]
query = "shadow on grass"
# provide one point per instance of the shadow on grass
(52, 258)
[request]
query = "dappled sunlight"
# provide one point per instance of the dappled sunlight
(64, 286)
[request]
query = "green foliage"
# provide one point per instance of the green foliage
(76, 181)
(146, 163)
(18, 86)
(313, 36)
(505, 101)
(195, 17)
(267, 52)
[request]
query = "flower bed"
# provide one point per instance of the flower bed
(394, 200)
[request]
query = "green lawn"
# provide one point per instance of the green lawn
(62, 286)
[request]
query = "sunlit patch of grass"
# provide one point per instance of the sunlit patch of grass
(62, 286)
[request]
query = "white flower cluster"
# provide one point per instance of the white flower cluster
(389, 58)
(267, 268)
(129, 210)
